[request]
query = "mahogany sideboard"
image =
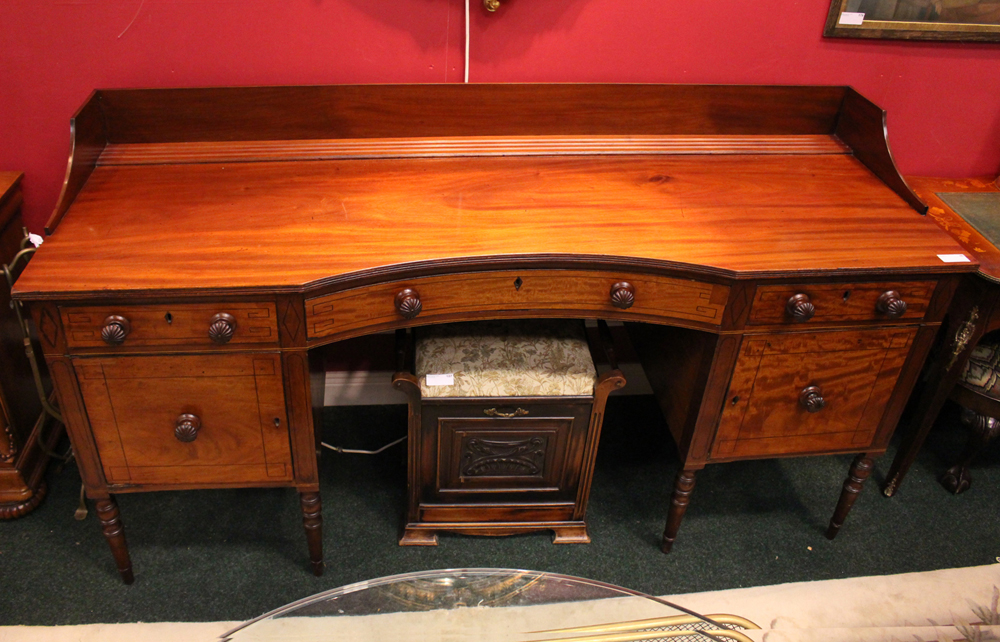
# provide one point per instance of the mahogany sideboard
(760, 237)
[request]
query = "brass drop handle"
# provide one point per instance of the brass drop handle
(623, 295)
(811, 399)
(800, 308)
(493, 412)
(115, 329)
(186, 427)
(891, 305)
(221, 328)
(408, 303)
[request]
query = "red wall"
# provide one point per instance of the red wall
(943, 99)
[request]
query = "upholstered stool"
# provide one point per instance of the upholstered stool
(504, 420)
(978, 392)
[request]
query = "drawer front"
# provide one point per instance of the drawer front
(810, 392)
(186, 324)
(841, 302)
(188, 420)
(568, 292)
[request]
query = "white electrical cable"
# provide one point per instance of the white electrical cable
(466, 40)
(361, 452)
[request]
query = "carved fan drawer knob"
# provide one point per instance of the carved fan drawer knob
(186, 427)
(221, 328)
(408, 303)
(115, 329)
(800, 308)
(890, 305)
(811, 398)
(623, 295)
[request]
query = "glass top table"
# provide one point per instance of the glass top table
(486, 605)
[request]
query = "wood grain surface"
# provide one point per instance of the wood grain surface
(274, 225)
(134, 402)
(974, 243)
(855, 372)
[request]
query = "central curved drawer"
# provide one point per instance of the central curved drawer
(543, 292)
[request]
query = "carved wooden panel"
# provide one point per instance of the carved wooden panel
(809, 392)
(188, 419)
(502, 455)
(833, 302)
(187, 324)
(548, 292)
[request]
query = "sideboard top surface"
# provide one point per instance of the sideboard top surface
(287, 224)
(301, 188)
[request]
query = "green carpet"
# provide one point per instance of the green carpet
(232, 555)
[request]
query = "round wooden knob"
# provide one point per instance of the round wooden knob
(408, 303)
(221, 328)
(186, 427)
(811, 399)
(115, 330)
(622, 295)
(891, 305)
(800, 308)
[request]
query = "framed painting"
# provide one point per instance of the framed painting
(963, 20)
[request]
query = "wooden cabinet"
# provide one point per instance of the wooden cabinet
(26, 434)
(185, 420)
(807, 393)
(478, 470)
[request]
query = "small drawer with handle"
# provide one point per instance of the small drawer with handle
(811, 304)
(187, 324)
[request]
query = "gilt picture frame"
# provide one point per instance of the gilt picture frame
(944, 20)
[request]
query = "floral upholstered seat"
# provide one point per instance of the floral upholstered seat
(537, 358)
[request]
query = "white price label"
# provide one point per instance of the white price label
(954, 258)
(440, 380)
(851, 18)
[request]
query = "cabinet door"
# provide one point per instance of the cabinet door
(470, 455)
(188, 420)
(801, 393)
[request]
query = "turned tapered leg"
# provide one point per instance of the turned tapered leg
(860, 469)
(683, 485)
(312, 519)
(984, 430)
(114, 532)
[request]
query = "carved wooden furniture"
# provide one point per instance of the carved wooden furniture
(978, 392)
(315, 214)
(26, 437)
(974, 311)
(507, 443)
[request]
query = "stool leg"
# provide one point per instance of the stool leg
(312, 519)
(860, 469)
(114, 532)
(683, 486)
(984, 429)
